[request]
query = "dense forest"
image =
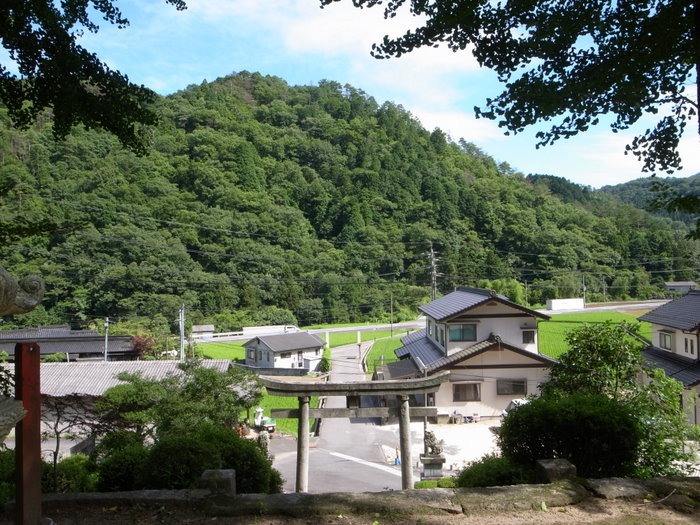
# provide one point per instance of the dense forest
(642, 193)
(261, 202)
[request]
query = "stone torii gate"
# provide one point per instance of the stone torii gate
(352, 391)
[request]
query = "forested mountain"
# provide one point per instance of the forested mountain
(262, 202)
(639, 193)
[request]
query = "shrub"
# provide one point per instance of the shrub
(494, 471)
(254, 472)
(76, 473)
(7, 474)
(177, 462)
(447, 483)
(121, 468)
(598, 435)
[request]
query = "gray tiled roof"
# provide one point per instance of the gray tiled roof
(427, 357)
(420, 348)
(400, 369)
(686, 371)
(682, 313)
(288, 342)
(45, 332)
(94, 377)
(463, 299)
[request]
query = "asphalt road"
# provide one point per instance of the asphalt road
(348, 455)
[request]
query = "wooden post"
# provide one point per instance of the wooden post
(28, 435)
(303, 446)
(405, 444)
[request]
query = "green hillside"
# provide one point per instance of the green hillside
(264, 203)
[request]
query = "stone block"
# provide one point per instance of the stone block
(220, 481)
(550, 470)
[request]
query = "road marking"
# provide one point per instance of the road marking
(366, 463)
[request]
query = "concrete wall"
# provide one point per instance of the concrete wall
(565, 304)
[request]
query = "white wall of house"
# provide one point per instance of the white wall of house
(487, 380)
(491, 318)
(261, 356)
(676, 341)
(297, 358)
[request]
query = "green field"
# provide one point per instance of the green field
(222, 350)
(288, 426)
(552, 333)
(383, 348)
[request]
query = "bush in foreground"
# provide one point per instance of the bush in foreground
(494, 471)
(598, 435)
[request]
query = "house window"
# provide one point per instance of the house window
(251, 354)
(286, 355)
(466, 392)
(528, 337)
(665, 340)
(316, 352)
(463, 332)
(509, 387)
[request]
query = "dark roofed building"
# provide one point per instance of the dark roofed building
(76, 344)
(675, 344)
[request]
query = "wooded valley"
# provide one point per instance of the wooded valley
(265, 203)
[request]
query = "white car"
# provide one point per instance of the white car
(513, 404)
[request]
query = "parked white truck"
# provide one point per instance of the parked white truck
(252, 331)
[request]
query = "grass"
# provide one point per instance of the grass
(552, 333)
(383, 348)
(222, 350)
(348, 338)
(288, 426)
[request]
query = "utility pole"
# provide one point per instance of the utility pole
(391, 313)
(106, 336)
(182, 333)
(583, 286)
(605, 300)
(433, 273)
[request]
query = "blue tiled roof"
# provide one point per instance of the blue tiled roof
(682, 313)
(686, 371)
(463, 299)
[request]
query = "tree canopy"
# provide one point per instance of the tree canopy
(605, 359)
(53, 71)
(571, 63)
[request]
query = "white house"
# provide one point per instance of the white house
(290, 350)
(675, 348)
(489, 345)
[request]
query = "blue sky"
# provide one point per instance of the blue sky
(298, 41)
